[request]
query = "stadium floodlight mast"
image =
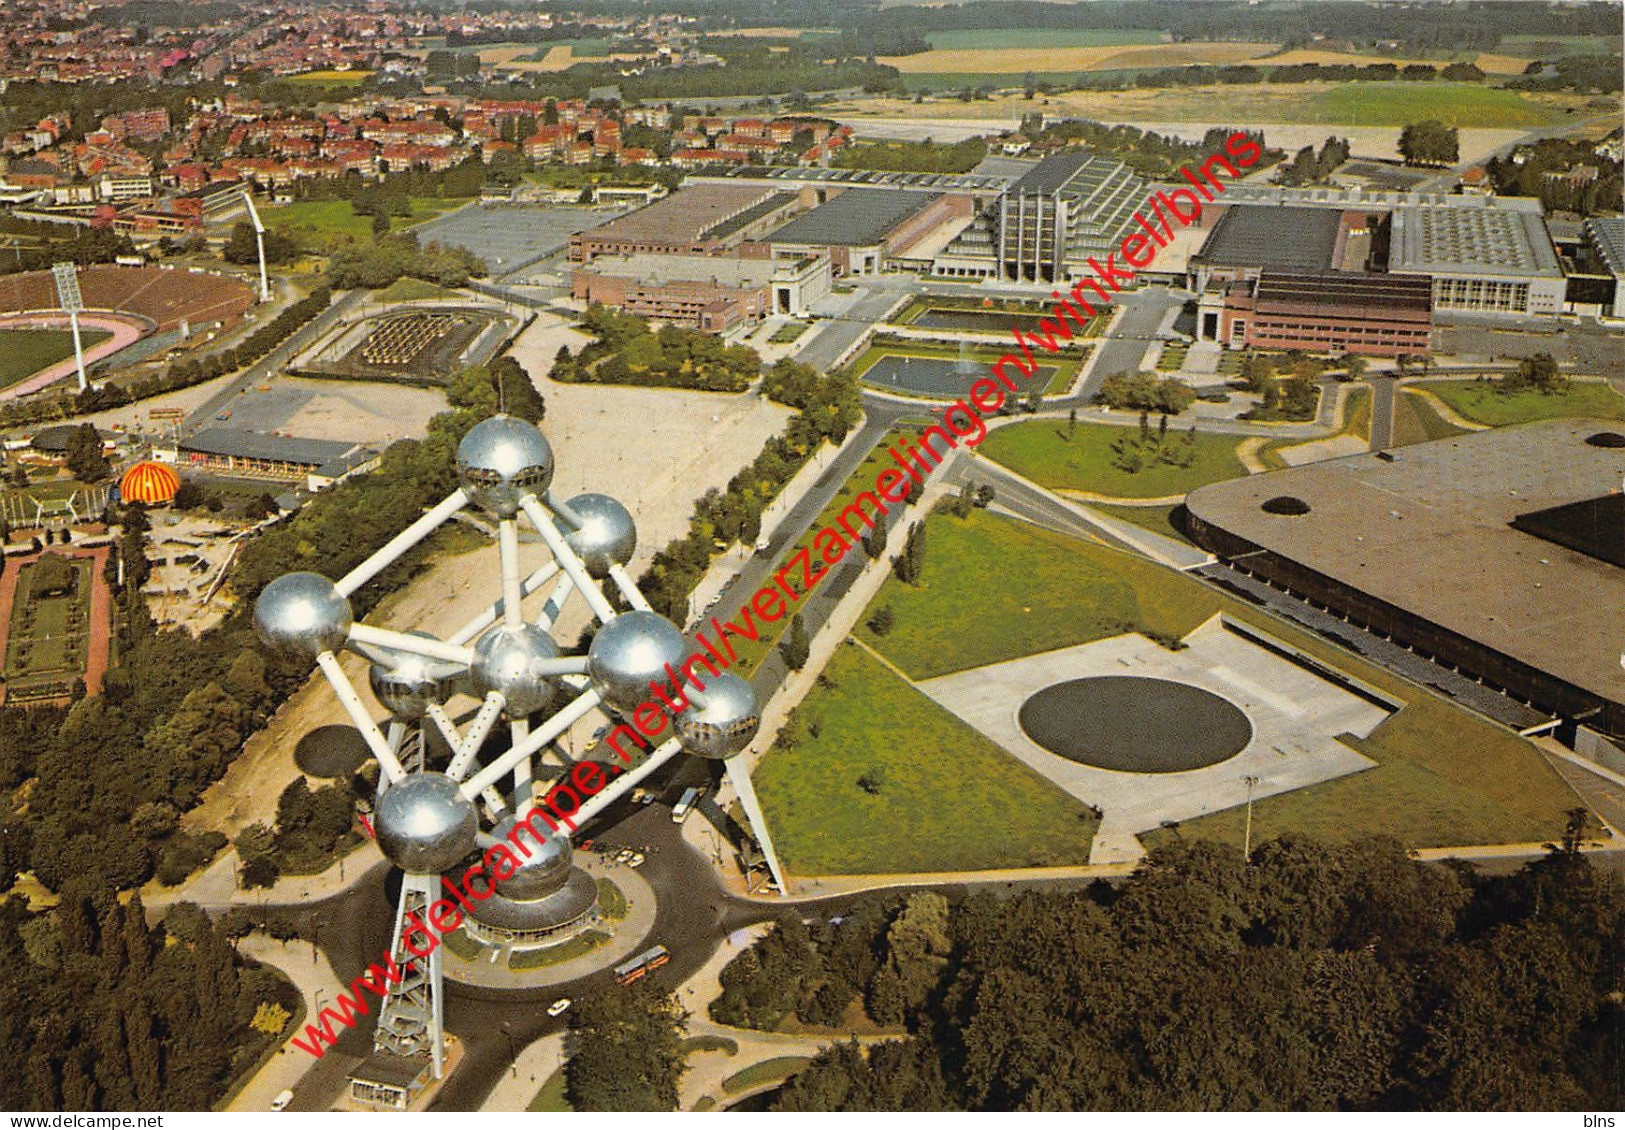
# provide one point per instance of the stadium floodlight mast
(69, 298)
(428, 822)
(259, 243)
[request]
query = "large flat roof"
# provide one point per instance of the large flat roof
(858, 217)
(1052, 173)
(658, 269)
(1608, 236)
(1283, 238)
(1481, 241)
(1430, 532)
(688, 215)
(1406, 297)
(239, 443)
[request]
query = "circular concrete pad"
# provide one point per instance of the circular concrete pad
(1135, 725)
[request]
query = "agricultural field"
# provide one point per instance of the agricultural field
(25, 352)
(331, 78)
(1039, 38)
(1110, 57)
(1453, 103)
(1488, 63)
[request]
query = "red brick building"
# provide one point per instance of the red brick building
(1376, 315)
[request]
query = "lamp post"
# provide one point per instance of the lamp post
(513, 1056)
(1247, 835)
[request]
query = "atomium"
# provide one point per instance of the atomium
(632, 651)
(425, 825)
(429, 821)
(501, 460)
(505, 663)
(721, 720)
(301, 615)
(607, 535)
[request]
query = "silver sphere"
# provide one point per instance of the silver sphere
(505, 660)
(301, 615)
(414, 682)
(501, 460)
(607, 535)
(425, 825)
(547, 867)
(722, 719)
(630, 652)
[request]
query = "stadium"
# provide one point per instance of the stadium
(155, 306)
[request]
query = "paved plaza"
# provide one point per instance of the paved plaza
(1296, 714)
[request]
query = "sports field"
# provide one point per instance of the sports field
(25, 352)
(1054, 454)
(326, 224)
(1484, 403)
(872, 777)
(48, 635)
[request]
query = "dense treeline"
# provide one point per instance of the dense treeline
(914, 156)
(828, 407)
(1147, 153)
(181, 374)
(1316, 976)
(1309, 167)
(82, 245)
(100, 1012)
(627, 1052)
(628, 352)
(1588, 74)
(384, 261)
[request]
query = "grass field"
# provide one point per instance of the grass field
(1398, 103)
(789, 332)
(611, 903)
(332, 78)
(550, 1099)
(996, 589)
(932, 789)
(1017, 61)
(775, 1070)
(1444, 776)
(1040, 451)
(1038, 38)
(1483, 402)
(1550, 46)
(1157, 519)
(412, 290)
(326, 224)
(25, 352)
(581, 944)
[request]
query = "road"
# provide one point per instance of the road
(273, 362)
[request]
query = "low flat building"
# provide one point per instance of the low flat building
(1495, 552)
(862, 230)
(239, 453)
(1375, 315)
(705, 219)
(1491, 260)
(1249, 239)
(703, 292)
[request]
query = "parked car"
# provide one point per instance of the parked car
(558, 1007)
(636, 860)
(281, 1101)
(624, 855)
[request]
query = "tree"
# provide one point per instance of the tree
(628, 1053)
(84, 456)
(911, 562)
(1539, 373)
(795, 648)
(1353, 365)
(882, 620)
(1429, 143)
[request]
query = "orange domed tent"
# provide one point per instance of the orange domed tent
(151, 483)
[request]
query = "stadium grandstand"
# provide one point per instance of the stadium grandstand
(166, 298)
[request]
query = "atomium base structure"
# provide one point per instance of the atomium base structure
(429, 823)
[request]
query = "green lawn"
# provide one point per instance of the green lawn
(1483, 402)
(1417, 421)
(577, 946)
(775, 1070)
(1399, 103)
(1041, 451)
(940, 796)
(326, 224)
(1157, 519)
(611, 902)
(412, 290)
(1038, 38)
(25, 352)
(788, 332)
(550, 1099)
(48, 642)
(1444, 776)
(995, 589)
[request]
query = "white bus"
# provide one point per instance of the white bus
(685, 805)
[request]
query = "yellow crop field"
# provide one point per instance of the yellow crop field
(1018, 60)
(1488, 63)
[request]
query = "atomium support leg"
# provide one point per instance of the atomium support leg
(410, 1022)
(397, 546)
(567, 559)
(626, 781)
(629, 589)
(387, 761)
(549, 731)
(739, 777)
